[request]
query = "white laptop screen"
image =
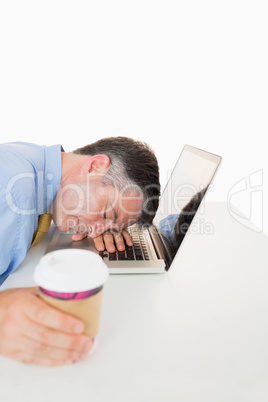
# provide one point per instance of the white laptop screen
(184, 192)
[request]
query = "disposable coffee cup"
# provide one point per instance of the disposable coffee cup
(72, 281)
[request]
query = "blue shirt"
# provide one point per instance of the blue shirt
(30, 177)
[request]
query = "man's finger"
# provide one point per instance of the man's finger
(99, 244)
(46, 336)
(108, 238)
(127, 237)
(29, 358)
(41, 349)
(119, 241)
(78, 236)
(41, 313)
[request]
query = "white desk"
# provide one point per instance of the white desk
(197, 333)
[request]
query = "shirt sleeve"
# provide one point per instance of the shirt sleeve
(16, 231)
(30, 176)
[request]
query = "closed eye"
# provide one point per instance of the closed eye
(112, 218)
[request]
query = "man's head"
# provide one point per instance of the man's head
(109, 184)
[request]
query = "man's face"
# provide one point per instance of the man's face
(94, 208)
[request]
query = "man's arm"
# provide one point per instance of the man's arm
(15, 233)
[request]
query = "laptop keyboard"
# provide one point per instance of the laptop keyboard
(136, 252)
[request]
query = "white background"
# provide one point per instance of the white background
(165, 72)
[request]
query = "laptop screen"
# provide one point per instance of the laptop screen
(184, 192)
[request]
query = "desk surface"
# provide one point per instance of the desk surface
(196, 333)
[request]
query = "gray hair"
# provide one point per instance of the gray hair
(133, 166)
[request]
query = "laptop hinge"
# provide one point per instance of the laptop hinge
(160, 247)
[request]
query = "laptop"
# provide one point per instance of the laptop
(156, 247)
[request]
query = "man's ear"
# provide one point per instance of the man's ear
(99, 163)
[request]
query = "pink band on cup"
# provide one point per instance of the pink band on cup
(70, 296)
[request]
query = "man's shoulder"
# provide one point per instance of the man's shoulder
(14, 165)
(17, 180)
(26, 171)
(20, 150)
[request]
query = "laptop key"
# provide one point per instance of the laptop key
(129, 253)
(130, 256)
(121, 255)
(112, 256)
(103, 254)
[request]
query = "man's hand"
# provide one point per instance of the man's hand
(33, 332)
(111, 240)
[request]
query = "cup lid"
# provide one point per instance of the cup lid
(71, 270)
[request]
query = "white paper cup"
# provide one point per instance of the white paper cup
(72, 281)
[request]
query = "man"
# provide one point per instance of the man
(97, 191)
